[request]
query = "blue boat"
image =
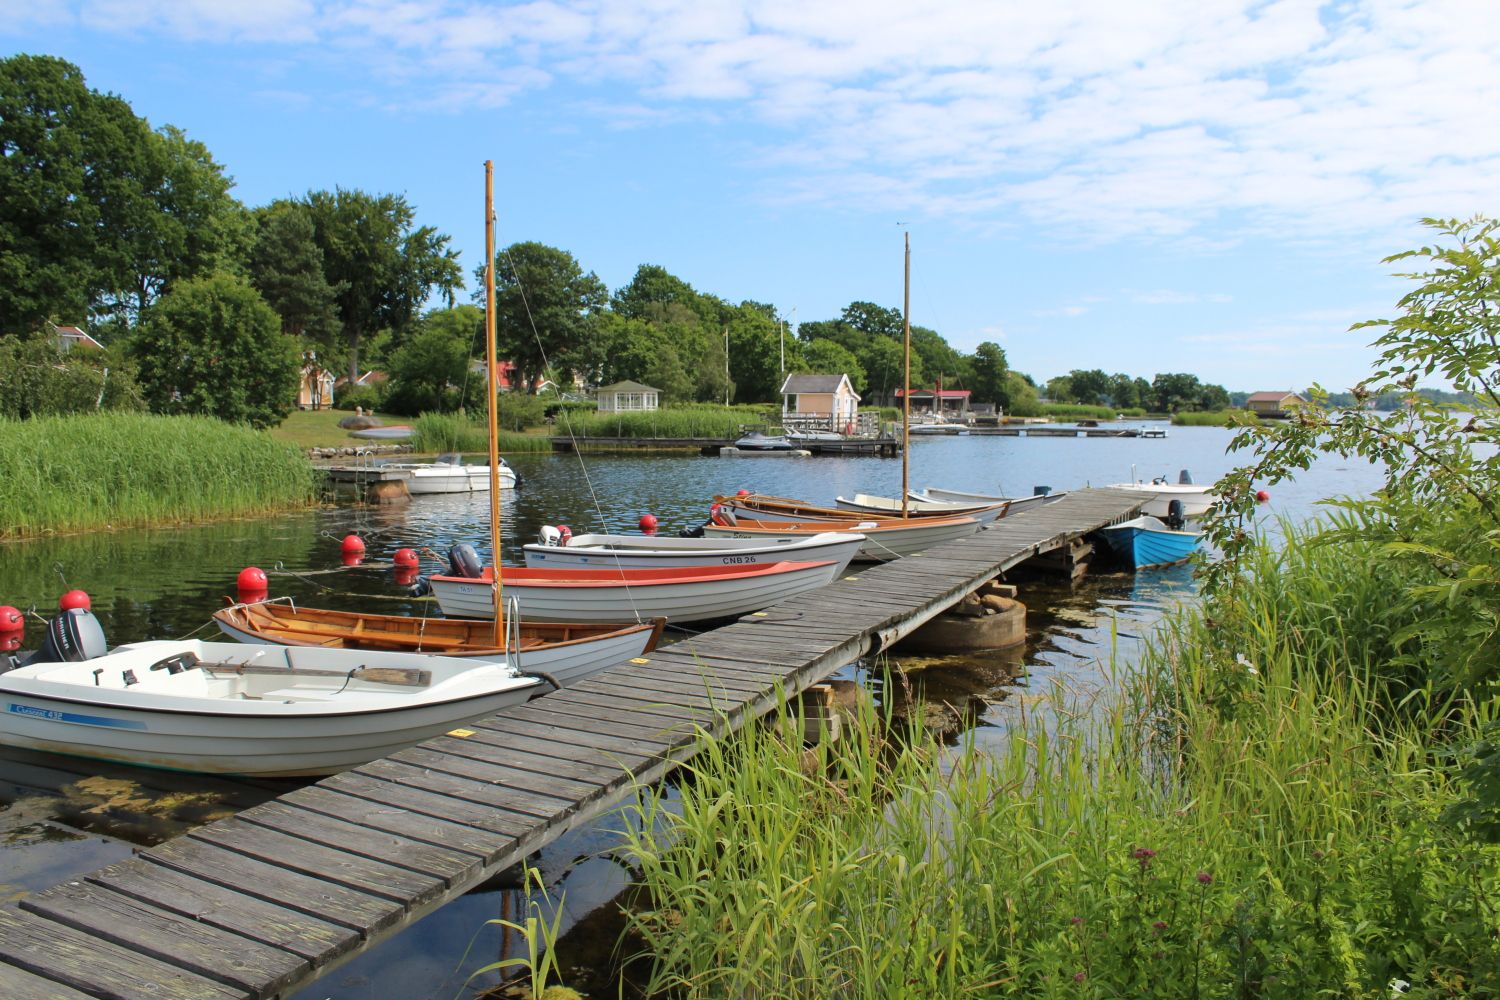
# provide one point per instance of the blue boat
(1146, 542)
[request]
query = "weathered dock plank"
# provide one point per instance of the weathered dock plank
(262, 903)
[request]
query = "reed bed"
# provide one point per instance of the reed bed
(716, 422)
(443, 432)
(1080, 410)
(124, 469)
(1213, 418)
(1249, 819)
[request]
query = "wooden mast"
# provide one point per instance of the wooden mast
(906, 382)
(493, 383)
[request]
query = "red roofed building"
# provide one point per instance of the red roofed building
(69, 337)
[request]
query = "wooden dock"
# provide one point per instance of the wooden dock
(263, 903)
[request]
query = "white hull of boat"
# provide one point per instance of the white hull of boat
(648, 552)
(1196, 500)
(884, 540)
(432, 478)
(292, 711)
(679, 601)
(865, 503)
(1018, 505)
(565, 663)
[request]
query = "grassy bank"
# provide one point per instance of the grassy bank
(1213, 418)
(1060, 411)
(123, 469)
(1254, 818)
(695, 421)
(440, 432)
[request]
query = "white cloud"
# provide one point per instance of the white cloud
(1105, 121)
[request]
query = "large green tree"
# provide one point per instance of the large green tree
(286, 267)
(827, 357)
(545, 307)
(431, 369)
(382, 266)
(990, 367)
(212, 346)
(98, 213)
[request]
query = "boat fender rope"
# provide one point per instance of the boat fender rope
(543, 676)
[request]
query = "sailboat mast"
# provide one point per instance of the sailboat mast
(492, 380)
(906, 381)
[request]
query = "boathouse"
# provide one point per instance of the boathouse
(627, 396)
(315, 391)
(949, 405)
(1272, 404)
(819, 402)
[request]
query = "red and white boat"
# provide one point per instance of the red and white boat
(679, 594)
(555, 551)
(885, 539)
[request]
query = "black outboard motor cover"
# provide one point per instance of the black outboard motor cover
(420, 587)
(691, 532)
(1175, 519)
(464, 561)
(72, 637)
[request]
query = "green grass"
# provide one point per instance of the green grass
(1213, 418)
(1249, 819)
(320, 428)
(689, 421)
(1079, 410)
(440, 432)
(122, 469)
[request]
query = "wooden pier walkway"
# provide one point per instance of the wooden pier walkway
(263, 903)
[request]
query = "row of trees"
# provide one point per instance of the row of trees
(210, 306)
(1166, 393)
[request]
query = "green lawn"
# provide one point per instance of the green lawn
(320, 428)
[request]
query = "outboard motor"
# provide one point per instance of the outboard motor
(72, 637)
(420, 587)
(1175, 519)
(692, 532)
(464, 561)
(549, 536)
(1184, 478)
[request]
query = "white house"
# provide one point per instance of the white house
(627, 396)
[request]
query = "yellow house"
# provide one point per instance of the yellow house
(826, 401)
(1271, 404)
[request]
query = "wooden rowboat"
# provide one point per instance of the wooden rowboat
(564, 651)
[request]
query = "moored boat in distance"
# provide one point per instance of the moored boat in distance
(448, 474)
(680, 594)
(760, 507)
(1146, 542)
(564, 651)
(653, 551)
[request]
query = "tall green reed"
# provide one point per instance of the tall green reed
(1248, 820)
(118, 469)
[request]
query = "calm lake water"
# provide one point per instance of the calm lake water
(61, 817)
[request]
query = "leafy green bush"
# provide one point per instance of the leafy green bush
(371, 398)
(38, 380)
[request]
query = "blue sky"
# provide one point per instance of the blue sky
(1172, 185)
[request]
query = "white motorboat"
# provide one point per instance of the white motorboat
(649, 551)
(1194, 499)
(1017, 504)
(884, 539)
(867, 503)
(448, 474)
(681, 594)
(231, 708)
